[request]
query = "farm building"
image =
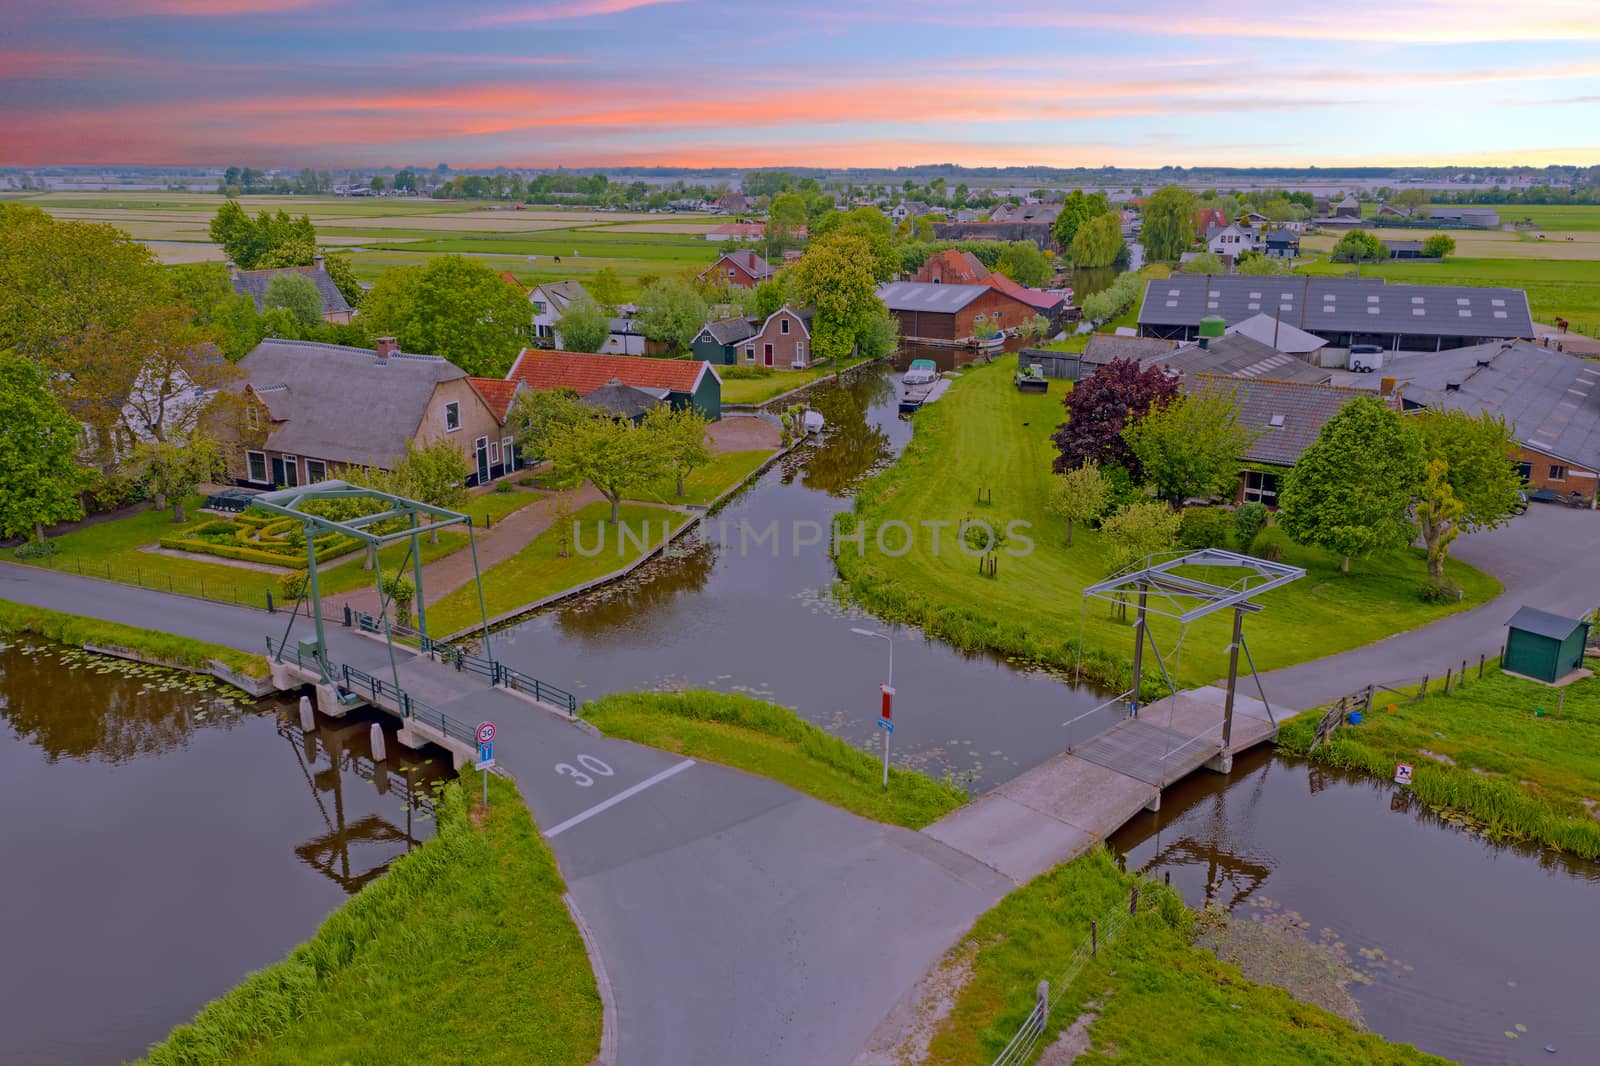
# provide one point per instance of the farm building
(1543, 646)
(951, 313)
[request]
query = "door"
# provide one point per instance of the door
(766, 354)
(508, 459)
(483, 460)
(291, 471)
(277, 471)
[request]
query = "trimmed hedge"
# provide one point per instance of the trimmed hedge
(342, 546)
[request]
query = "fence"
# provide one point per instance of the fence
(1406, 690)
(199, 588)
(491, 670)
(1047, 994)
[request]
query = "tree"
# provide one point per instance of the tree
(871, 226)
(339, 268)
(1205, 263)
(1023, 263)
(405, 181)
(681, 436)
(785, 215)
(671, 311)
(835, 276)
(1167, 227)
(296, 294)
(1254, 264)
(1101, 407)
(251, 243)
(770, 296)
(1076, 209)
(1078, 495)
(173, 468)
(1351, 490)
(1139, 529)
(1191, 446)
(401, 591)
(538, 416)
(584, 326)
(1099, 241)
(435, 473)
(454, 307)
(1411, 199)
(1476, 484)
(606, 288)
(378, 184)
(1438, 246)
(39, 479)
(611, 454)
(1359, 246)
(879, 338)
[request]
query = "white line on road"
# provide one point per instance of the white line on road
(605, 805)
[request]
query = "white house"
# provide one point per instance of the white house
(548, 301)
(1230, 240)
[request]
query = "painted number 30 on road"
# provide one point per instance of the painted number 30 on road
(594, 766)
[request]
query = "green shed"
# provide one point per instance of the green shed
(1544, 646)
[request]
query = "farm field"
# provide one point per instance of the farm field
(1488, 244)
(1551, 216)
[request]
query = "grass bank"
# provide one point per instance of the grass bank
(1494, 750)
(174, 650)
(758, 384)
(986, 436)
(1156, 997)
(773, 741)
(462, 952)
(598, 548)
(706, 483)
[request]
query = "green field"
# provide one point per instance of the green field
(1573, 217)
(986, 436)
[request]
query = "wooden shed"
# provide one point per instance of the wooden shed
(1544, 646)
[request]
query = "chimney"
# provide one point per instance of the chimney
(318, 262)
(386, 346)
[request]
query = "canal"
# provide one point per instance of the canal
(165, 836)
(1478, 952)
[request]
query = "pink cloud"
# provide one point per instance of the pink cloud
(564, 9)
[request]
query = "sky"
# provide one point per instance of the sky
(834, 83)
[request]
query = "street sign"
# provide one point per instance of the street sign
(884, 723)
(486, 752)
(485, 765)
(888, 702)
(485, 732)
(1402, 773)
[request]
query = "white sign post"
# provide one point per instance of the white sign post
(1402, 773)
(486, 755)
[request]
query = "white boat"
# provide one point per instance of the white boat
(814, 421)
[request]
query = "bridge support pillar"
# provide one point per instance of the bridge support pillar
(410, 738)
(1155, 802)
(1221, 762)
(283, 678)
(308, 721)
(328, 701)
(380, 751)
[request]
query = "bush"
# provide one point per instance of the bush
(1249, 520)
(502, 485)
(1204, 527)
(107, 492)
(1443, 591)
(728, 372)
(1122, 490)
(1269, 544)
(292, 586)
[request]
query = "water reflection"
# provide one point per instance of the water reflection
(652, 588)
(851, 446)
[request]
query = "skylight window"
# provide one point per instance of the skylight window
(1276, 422)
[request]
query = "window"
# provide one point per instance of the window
(316, 470)
(452, 416)
(507, 454)
(538, 307)
(1260, 488)
(252, 415)
(730, 272)
(800, 350)
(494, 453)
(256, 464)
(1557, 472)
(783, 325)
(749, 355)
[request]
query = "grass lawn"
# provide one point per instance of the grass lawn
(496, 505)
(774, 742)
(706, 483)
(1569, 288)
(1161, 999)
(1518, 773)
(536, 572)
(78, 630)
(985, 435)
(349, 575)
(462, 952)
(758, 384)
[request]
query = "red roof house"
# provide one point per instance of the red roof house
(497, 393)
(1048, 304)
(952, 267)
(681, 382)
(743, 270)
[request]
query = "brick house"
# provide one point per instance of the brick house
(740, 270)
(254, 283)
(783, 341)
(312, 408)
(951, 313)
(952, 267)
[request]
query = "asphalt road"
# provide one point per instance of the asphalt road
(738, 921)
(1548, 558)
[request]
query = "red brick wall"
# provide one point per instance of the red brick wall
(1000, 311)
(786, 347)
(1574, 478)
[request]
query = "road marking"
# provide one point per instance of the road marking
(606, 805)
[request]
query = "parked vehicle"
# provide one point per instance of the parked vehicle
(1365, 358)
(1031, 379)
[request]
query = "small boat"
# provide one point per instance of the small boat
(814, 421)
(921, 372)
(913, 397)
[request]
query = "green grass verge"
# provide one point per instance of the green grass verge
(462, 952)
(536, 571)
(774, 742)
(174, 650)
(758, 384)
(1518, 774)
(723, 472)
(1161, 999)
(496, 505)
(986, 435)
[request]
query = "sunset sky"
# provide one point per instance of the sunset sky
(825, 82)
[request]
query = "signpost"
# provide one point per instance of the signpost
(486, 755)
(1402, 773)
(886, 723)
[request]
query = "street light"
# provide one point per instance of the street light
(885, 722)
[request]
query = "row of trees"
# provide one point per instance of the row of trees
(1363, 246)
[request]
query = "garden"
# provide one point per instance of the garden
(253, 538)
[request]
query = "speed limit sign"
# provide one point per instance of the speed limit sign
(485, 732)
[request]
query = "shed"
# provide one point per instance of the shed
(1544, 646)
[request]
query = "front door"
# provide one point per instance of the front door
(766, 354)
(277, 471)
(483, 460)
(291, 471)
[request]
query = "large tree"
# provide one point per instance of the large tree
(1101, 407)
(454, 307)
(1023, 263)
(298, 295)
(681, 436)
(1360, 246)
(612, 454)
(1167, 223)
(1439, 246)
(835, 277)
(1078, 495)
(435, 473)
(1193, 445)
(1138, 529)
(584, 326)
(39, 479)
(1350, 493)
(671, 311)
(871, 226)
(1076, 209)
(538, 416)
(172, 469)
(1471, 482)
(268, 240)
(1099, 241)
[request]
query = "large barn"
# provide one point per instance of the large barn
(1342, 311)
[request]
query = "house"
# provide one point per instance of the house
(1342, 311)
(626, 401)
(1205, 220)
(1404, 249)
(1393, 211)
(1036, 213)
(688, 382)
(1548, 398)
(740, 231)
(732, 203)
(783, 341)
(624, 338)
(1040, 233)
(314, 408)
(511, 280)
(1281, 244)
(1543, 646)
(1049, 304)
(1230, 240)
(1349, 207)
(1252, 219)
(254, 284)
(1469, 217)
(549, 300)
(952, 313)
(719, 341)
(740, 270)
(952, 267)
(1103, 348)
(966, 214)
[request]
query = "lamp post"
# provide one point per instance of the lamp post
(885, 721)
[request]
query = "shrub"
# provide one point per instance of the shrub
(107, 492)
(1122, 490)
(1269, 544)
(292, 586)
(1441, 591)
(1249, 520)
(502, 486)
(526, 482)
(1204, 527)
